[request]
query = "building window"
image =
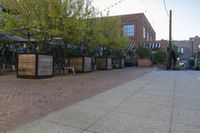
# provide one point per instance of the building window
(180, 50)
(151, 38)
(147, 36)
(144, 32)
(129, 30)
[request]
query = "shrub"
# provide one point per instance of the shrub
(159, 57)
(191, 63)
(143, 52)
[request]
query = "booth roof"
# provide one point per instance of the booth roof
(11, 38)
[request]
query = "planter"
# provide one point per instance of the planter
(81, 64)
(103, 63)
(161, 66)
(144, 63)
(118, 63)
(130, 62)
(34, 66)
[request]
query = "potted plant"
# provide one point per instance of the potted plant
(80, 61)
(159, 58)
(143, 54)
(103, 63)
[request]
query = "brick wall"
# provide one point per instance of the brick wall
(187, 46)
(196, 43)
(140, 21)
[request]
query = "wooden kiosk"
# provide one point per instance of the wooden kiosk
(34, 66)
(81, 63)
(103, 63)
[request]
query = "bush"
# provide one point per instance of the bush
(72, 52)
(191, 63)
(143, 52)
(159, 57)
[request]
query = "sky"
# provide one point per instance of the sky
(185, 15)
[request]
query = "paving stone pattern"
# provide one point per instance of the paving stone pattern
(24, 100)
(158, 102)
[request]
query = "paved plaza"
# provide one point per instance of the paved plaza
(25, 100)
(157, 102)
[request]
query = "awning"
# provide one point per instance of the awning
(151, 45)
(11, 38)
(131, 46)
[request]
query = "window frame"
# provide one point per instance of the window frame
(129, 30)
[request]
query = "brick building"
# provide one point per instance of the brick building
(189, 49)
(185, 48)
(196, 44)
(140, 32)
(155, 45)
(196, 49)
(137, 28)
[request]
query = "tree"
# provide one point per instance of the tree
(116, 40)
(175, 54)
(47, 19)
(109, 35)
(74, 21)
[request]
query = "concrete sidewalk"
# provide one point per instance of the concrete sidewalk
(158, 102)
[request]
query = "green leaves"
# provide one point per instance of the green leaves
(159, 56)
(143, 52)
(45, 18)
(74, 21)
(107, 32)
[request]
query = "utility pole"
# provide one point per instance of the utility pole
(170, 40)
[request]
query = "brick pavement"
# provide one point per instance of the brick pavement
(158, 102)
(23, 100)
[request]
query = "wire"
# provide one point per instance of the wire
(111, 6)
(147, 11)
(165, 8)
